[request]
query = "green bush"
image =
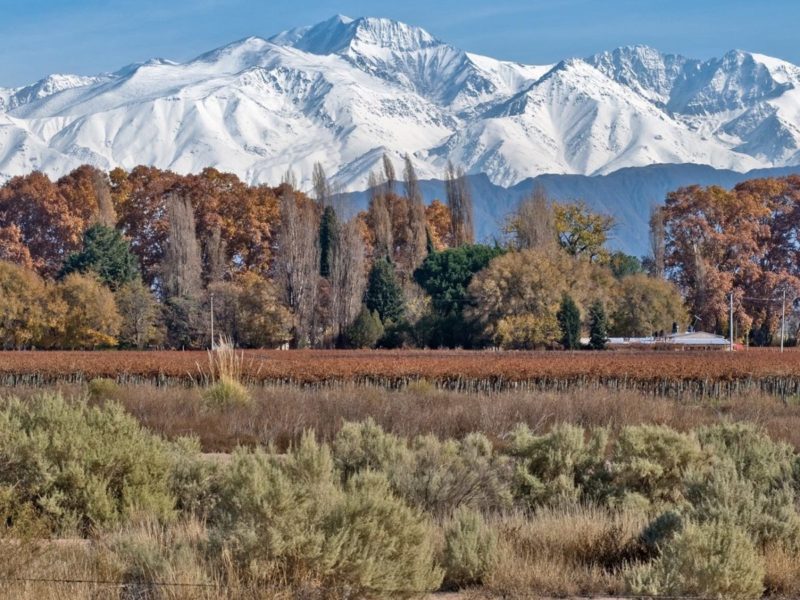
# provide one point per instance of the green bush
(194, 479)
(80, 466)
(711, 560)
(652, 461)
(377, 544)
(767, 515)
(289, 520)
(365, 445)
(443, 475)
(470, 549)
(560, 466)
(766, 464)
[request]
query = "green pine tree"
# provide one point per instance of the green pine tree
(384, 294)
(569, 320)
(366, 330)
(598, 326)
(327, 236)
(106, 253)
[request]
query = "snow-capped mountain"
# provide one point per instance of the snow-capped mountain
(345, 91)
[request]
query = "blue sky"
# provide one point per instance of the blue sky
(38, 37)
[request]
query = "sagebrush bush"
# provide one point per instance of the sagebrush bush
(710, 560)
(289, 520)
(82, 467)
(470, 549)
(651, 461)
(562, 465)
(766, 513)
(194, 479)
(365, 445)
(376, 544)
(443, 475)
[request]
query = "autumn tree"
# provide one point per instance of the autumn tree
(417, 217)
(296, 266)
(181, 276)
(139, 312)
(741, 242)
(379, 219)
(581, 232)
(262, 320)
(459, 201)
(347, 276)
(30, 310)
(91, 319)
(106, 254)
(657, 241)
(645, 305)
(532, 224)
(44, 221)
(517, 297)
(439, 225)
(13, 248)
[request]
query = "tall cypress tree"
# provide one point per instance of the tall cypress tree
(598, 326)
(384, 294)
(327, 235)
(569, 321)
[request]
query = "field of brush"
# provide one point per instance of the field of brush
(492, 474)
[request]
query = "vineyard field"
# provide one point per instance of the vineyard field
(657, 372)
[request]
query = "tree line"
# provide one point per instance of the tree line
(142, 258)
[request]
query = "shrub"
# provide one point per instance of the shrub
(365, 331)
(194, 480)
(376, 544)
(559, 466)
(103, 388)
(711, 560)
(365, 445)
(470, 549)
(767, 515)
(287, 520)
(652, 461)
(82, 466)
(443, 475)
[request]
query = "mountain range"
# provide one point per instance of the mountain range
(346, 91)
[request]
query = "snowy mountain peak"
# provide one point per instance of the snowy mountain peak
(340, 34)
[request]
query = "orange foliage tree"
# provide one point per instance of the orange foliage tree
(741, 241)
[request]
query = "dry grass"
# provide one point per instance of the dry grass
(562, 552)
(782, 572)
(279, 414)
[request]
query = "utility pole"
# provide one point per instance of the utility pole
(730, 332)
(212, 321)
(783, 318)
